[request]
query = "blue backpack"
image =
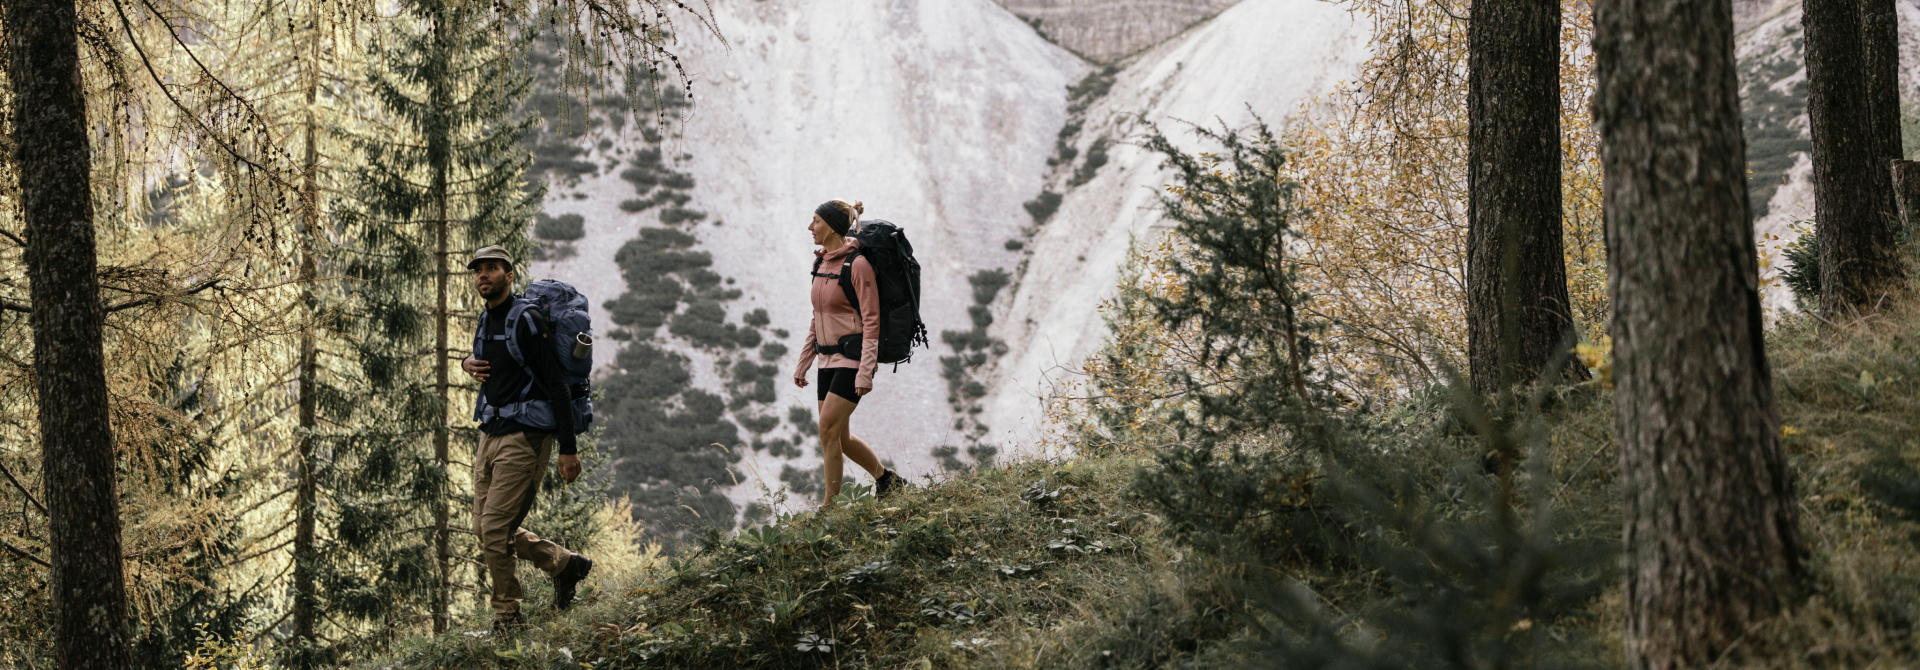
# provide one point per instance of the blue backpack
(566, 314)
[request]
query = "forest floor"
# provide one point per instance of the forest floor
(1063, 564)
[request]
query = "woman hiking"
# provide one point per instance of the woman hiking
(844, 343)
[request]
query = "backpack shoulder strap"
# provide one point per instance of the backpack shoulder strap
(846, 279)
(521, 310)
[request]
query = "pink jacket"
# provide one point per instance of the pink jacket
(834, 317)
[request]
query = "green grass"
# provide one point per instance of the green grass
(939, 576)
(1062, 565)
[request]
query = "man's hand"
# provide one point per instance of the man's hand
(570, 467)
(476, 368)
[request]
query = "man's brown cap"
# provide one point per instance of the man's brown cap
(491, 253)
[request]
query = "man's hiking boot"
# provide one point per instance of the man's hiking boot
(889, 482)
(504, 626)
(569, 577)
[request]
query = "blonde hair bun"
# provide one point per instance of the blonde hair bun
(859, 207)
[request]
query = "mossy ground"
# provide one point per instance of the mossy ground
(1053, 564)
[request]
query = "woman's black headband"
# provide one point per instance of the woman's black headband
(835, 217)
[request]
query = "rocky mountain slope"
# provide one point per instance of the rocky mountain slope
(1001, 136)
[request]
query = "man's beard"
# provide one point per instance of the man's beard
(494, 294)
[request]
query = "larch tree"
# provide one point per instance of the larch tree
(1857, 229)
(1518, 313)
(1712, 539)
(54, 162)
(444, 175)
(178, 193)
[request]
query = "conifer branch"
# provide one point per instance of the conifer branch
(147, 63)
(130, 304)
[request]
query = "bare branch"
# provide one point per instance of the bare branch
(23, 554)
(23, 489)
(130, 304)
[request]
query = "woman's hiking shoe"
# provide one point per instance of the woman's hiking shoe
(569, 577)
(889, 482)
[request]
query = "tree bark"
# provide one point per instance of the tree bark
(305, 552)
(439, 160)
(1712, 540)
(76, 438)
(1852, 192)
(1880, 60)
(1906, 192)
(1518, 317)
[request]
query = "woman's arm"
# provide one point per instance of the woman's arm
(868, 290)
(806, 356)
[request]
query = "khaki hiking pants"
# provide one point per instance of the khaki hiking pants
(506, 477)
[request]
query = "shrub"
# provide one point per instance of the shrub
(1802, 275)
(563, 228)
(1041, 208)
(1096, 157)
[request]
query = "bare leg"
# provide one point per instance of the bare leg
(836, 442)
(857, 451)
(829, 452)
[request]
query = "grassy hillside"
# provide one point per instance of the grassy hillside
(1097, 563)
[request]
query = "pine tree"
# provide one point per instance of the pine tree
(445, 175)
(1518, 313)
(1712, 539)
(1852, 186)
(1880, 59)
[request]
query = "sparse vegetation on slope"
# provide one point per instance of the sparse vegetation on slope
(1102, 563)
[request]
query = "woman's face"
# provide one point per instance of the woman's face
(821, 231)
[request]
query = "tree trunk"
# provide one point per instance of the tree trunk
(1518, 317)
(1852, 201)
(1880, 58)
(1712, 541)
(439, 159)
(76, 440)
(1906, 192)
(305, 554)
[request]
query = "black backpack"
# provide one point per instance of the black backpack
(897, 275)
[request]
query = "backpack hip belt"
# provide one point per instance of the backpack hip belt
(849, 346)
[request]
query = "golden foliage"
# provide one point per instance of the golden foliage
(1382, 169)
(203, 113)
(1382, 165)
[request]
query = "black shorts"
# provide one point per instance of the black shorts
(839, 381)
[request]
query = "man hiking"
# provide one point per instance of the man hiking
(518, 426)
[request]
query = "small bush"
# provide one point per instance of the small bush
(676, 215)
(1802, 275)
(1043, 207)
(1096, 157)
(563, 228)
